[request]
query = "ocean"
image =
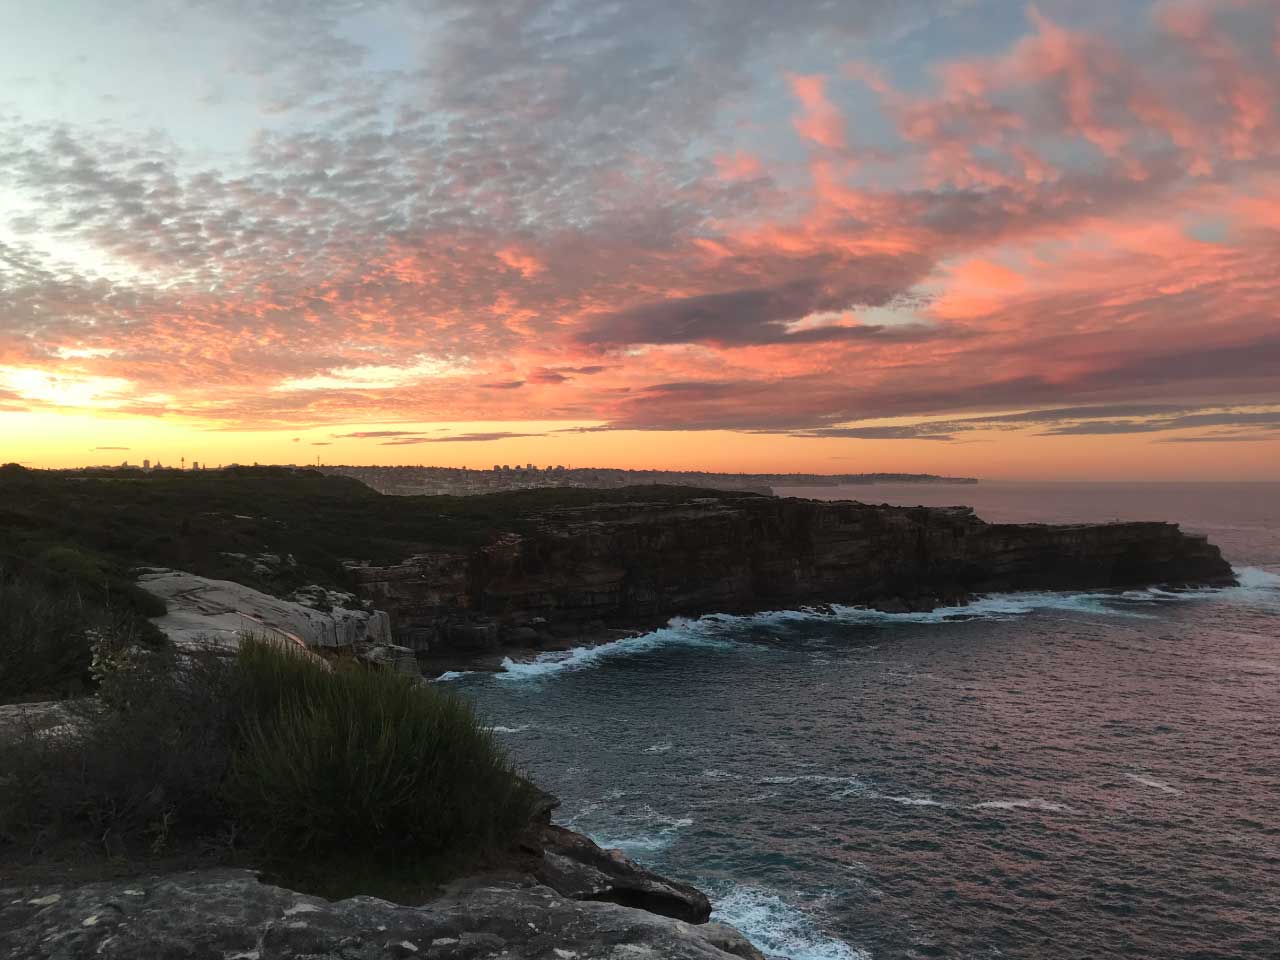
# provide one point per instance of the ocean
(1033, 775)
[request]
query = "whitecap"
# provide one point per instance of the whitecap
(776, 928)
(520, 729)
(1033, 803)
(658, 748)
(913, 801)
(1153, 783)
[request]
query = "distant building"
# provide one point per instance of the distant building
(146, 464)
(195, 464)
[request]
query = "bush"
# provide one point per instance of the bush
(345, 759)
(44, 641)
(138, 770)
(316, 769)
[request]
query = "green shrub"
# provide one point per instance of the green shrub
(314, 769)
(338, 760)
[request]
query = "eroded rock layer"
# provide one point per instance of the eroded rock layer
(573, 571)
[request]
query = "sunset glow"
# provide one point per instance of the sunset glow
(995, 239)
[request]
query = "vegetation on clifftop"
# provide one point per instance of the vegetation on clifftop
(76, 537)
(326, 774)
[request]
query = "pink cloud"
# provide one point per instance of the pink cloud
(819, 120)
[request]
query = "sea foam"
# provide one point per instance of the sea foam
(779, 929)
(679, 632)
(721, 631)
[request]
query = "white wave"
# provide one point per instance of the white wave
(1257, 586)
(721, 775)
(653, 832)
(520, 729)
(1253, 584)
(913, 801)
(680, 632)
(1033, 803)
(1153, 783)
(808, 778)
(658, 748)
(452, 675)
(779, 929)
(717, 630)
(1255, 578)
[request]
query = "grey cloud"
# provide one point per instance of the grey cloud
(759, 316)
(1266, 419)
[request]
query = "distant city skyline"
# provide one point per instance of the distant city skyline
(979, 237)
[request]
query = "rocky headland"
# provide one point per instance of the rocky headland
(464, 582)
(587, 573)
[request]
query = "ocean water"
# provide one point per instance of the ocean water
(1034, 775)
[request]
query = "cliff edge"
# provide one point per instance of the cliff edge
(583, 570)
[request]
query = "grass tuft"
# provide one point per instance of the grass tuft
(335, 759)
(270, 756)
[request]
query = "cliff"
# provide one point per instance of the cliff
(578, 570)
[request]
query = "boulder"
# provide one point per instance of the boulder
(228, 914)
(391, 657)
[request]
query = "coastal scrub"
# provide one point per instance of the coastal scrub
(270, 757)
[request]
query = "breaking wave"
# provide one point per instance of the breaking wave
(777, 928)
(679, 632)
(724, 631)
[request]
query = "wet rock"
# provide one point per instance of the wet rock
(391, 657)
(521, 637)
(229, 915)
(576, 867)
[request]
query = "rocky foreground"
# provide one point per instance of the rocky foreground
(230, 915)
(561, 897)
(581, 571)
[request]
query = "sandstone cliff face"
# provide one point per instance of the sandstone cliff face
(577, 570)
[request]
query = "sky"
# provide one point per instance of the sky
(978, 237)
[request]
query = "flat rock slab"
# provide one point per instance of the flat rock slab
(229, 915)
(201, 609)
